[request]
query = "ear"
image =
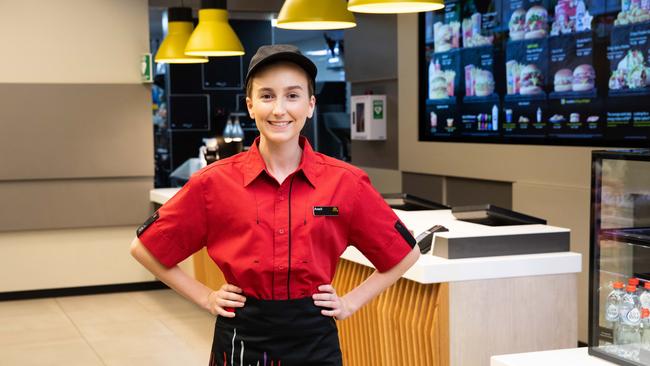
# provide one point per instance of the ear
(249, 106)
(312, 105)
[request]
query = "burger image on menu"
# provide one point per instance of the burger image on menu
(531, 80)
(484, 83)
(563, 81)
(438, 87)
(584, 78)
(517, 24)
(536, 22)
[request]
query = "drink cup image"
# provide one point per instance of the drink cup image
(450, 122)
(434, 119)
(508, 115)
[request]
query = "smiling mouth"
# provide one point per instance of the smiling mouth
(279, 123)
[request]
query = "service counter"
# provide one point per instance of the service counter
(455, 312)
(561, 357)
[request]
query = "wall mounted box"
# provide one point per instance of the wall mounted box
(368, 117)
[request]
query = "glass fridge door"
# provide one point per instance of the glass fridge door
(619, 308)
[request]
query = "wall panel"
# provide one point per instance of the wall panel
(56, 204)
(75, 131)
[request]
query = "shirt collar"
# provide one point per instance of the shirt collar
(254, 163)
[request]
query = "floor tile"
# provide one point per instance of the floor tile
(105, 308)
(195, 331)
(154, 350)
(133, 330)
(166, 303)
(53, 353)
(28, 307)
(121, 329)
(22, 329)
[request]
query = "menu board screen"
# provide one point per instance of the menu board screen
(568, 72)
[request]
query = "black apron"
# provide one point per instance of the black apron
(276, 333)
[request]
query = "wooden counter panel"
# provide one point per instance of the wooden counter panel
(405, 325)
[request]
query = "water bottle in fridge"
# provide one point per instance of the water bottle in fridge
(629, 335)
(644, 298)
(611, 307)
(645, 328)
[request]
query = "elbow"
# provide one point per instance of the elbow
(134, 248)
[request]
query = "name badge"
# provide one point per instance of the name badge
(326, 211)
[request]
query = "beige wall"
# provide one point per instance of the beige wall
(548, 181)
(76, 145)
(72, 41)
(384, 180)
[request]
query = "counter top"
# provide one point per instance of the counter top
(432, 269)
(561, 357)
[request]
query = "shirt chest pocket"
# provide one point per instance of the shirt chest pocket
(326, 224)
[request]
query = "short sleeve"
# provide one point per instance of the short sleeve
(376, 230)
(178, 228)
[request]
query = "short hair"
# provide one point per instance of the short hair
(249, 85)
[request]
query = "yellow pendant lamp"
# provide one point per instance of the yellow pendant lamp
(394, 6)
(213, 35)
(179, 29)
(315, 14)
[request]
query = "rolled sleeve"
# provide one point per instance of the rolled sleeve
(178, 229)
(376, 230)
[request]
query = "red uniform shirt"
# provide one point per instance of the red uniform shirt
(277, 241)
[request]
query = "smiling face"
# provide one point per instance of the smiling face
(280, 102)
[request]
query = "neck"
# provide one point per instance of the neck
(281, 159)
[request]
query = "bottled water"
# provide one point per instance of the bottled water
(633, 281)
(629, 335)
(611, 307)
(645, 324)
(644, 298)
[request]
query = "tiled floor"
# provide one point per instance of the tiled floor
(134, 328)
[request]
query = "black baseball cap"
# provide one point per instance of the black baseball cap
(280, 52)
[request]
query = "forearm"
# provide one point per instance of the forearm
(173, 277)
(378, 282)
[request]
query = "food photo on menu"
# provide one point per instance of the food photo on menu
(446, 27)
(478, 82)
(524, 79)
(442, 83)
(632, 12)
(571, 16)
(481, 111)
(526, 19)
(581, 79)
(628, 52)
(630, 72)
(480, 20)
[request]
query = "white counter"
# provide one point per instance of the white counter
(562, 357)
(432, 269)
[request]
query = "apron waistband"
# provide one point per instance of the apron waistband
(279, 316)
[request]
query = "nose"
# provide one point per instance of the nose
(278, 108)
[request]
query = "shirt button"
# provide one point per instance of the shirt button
(280, 267)
(281, 198)
(281, 231)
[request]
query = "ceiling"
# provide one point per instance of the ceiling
(237, 9)
(234, 6)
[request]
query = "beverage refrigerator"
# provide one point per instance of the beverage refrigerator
(619, 278)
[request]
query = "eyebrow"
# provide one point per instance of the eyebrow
(293, 87)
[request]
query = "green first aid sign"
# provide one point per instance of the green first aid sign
(377, 109)
(146, 74)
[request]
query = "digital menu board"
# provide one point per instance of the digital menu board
(567, 72)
